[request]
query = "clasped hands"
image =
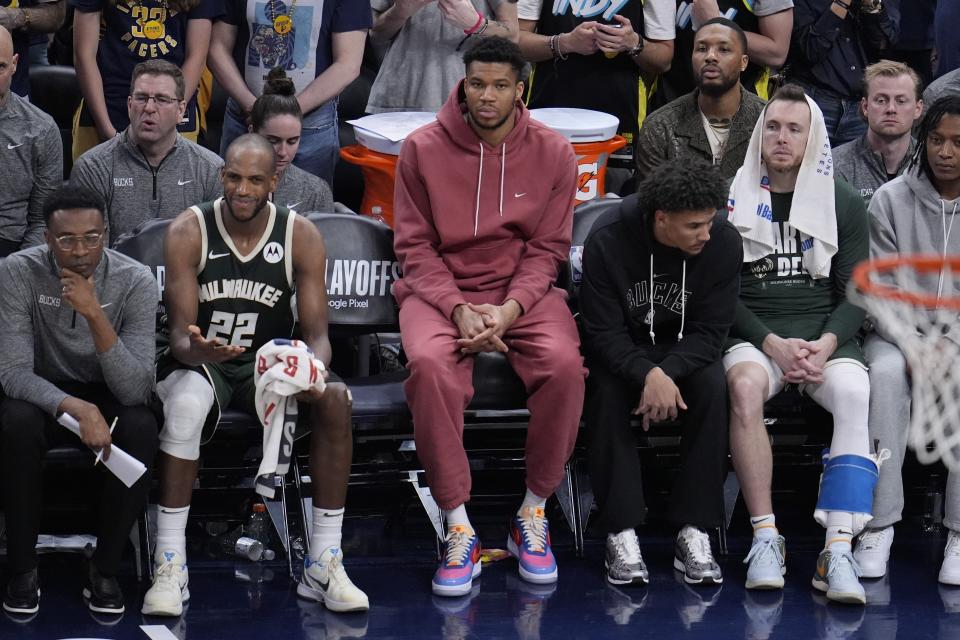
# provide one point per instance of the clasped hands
(482, 326)
(802, 361)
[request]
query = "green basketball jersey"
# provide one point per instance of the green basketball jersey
(245, 300)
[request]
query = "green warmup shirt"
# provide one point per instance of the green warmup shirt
(777, 295)
(245, 300)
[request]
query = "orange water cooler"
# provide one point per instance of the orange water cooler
(380, 137)
(593, 135)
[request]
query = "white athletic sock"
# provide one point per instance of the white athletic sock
(171, 531)
(764, 526)
(457, 517)
(327, 530)
(532, 500)
(839, 531)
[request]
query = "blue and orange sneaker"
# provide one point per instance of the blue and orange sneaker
(460, 564)
(529, 542)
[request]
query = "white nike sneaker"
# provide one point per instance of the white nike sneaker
(169, 590)
(872, 552)
(950, 569)
(325, 580)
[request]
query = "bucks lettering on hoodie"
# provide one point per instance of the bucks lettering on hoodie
(471, 217)
(644, 304)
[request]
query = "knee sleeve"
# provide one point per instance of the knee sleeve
(187, 399)
(845, 393)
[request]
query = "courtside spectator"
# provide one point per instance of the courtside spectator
(596, 62)
(423, 63)
(23, 18)
(479, 278)
(149, 170)
(319, 43)
(766, 23)
(891, 104)
(910, 215)
(110, 37)
(714, 122)
(32, 159)
(803, 232)
(78, 338)
(276, 116)
(659, 292)
(828, 55)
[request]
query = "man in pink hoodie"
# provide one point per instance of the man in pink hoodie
(480, 243)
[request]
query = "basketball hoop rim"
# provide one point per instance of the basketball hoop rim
(922, 263)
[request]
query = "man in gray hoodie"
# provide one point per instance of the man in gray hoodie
(149, 170)
(78, 338)
(911, 214)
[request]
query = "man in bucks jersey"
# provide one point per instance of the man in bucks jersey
(233, 265)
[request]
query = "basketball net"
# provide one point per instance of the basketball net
(914, 301)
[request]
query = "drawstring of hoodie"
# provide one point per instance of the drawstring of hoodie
(476, 207)
(683, 302)
(946, 239)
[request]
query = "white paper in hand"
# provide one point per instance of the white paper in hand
(120, 464)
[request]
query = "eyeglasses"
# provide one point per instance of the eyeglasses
(143, 99)
(89, 240)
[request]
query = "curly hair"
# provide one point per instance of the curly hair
(948, 105)
(497, 49)
(682, 185)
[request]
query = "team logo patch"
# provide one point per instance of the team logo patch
(762, 267)
(273, 252)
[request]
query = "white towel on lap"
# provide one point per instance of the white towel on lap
(284, 369)
(813, 214)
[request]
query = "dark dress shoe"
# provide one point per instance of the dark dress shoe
(23, 593)
(102, 593)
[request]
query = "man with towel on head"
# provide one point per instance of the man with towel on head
(802, 234)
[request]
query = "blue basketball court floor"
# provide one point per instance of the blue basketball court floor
(240, 600)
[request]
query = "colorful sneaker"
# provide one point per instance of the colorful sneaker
(694, 558)
(950, 569)
(460, 564)
(529, 543)
(766, 563)
(838, 576)
(623, 561)
(325, 580)
(169, 590)
(872, 552)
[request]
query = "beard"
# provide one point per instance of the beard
(256, 212)
(718, 87)
(499, 123)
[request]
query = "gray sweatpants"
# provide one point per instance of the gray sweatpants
(889, 422)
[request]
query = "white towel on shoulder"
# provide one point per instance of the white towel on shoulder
(284, 369)
(813, 210)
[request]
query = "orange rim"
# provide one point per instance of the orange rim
(927, 264)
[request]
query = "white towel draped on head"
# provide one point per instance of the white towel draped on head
(812, 212)
(284, 369)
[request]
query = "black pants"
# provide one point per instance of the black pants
(697, 493)
(27, 433)
(7, 247)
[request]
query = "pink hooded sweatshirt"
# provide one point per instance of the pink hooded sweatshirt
(472, 218)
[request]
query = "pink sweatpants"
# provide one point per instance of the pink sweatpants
(545, 353)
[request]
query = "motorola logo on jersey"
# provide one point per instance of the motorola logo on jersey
(273, 252)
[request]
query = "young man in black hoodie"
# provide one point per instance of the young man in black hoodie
(658, 356)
